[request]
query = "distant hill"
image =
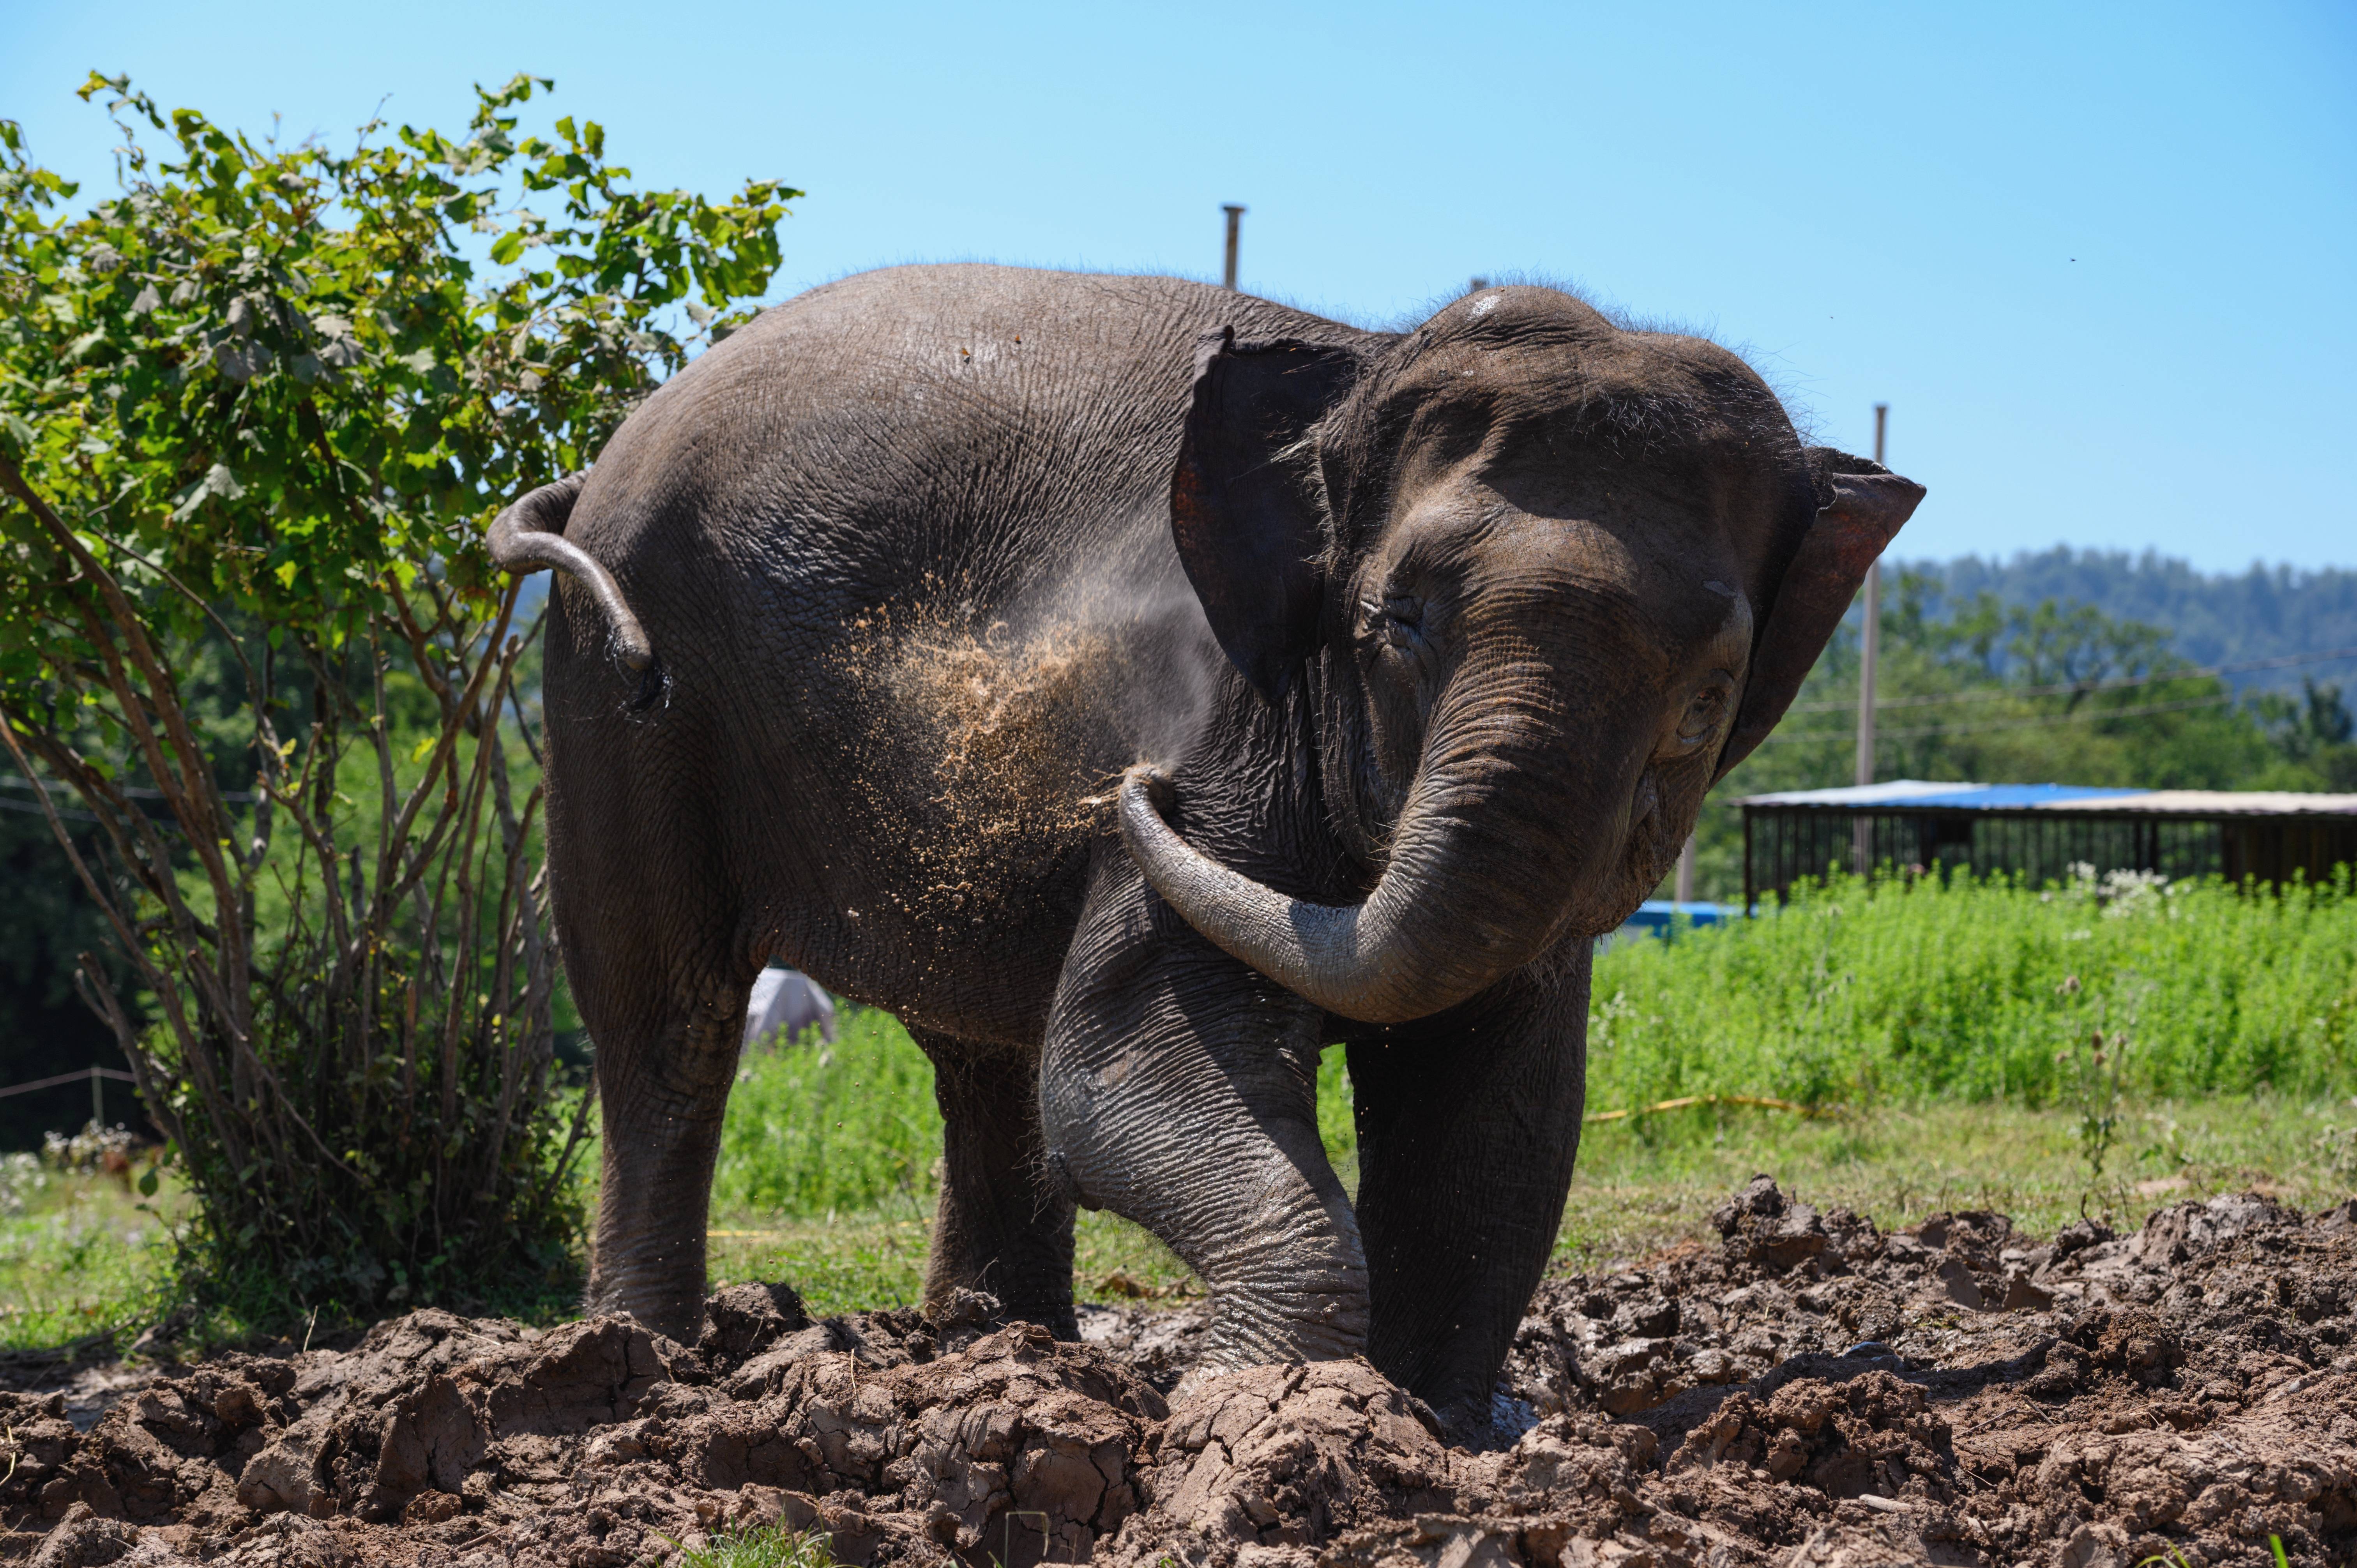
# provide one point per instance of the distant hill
(2225, 618)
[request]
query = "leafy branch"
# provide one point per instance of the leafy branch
(256, 407)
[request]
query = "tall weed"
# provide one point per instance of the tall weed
(813, 1129)
(1919, 991)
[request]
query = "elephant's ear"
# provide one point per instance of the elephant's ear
(1246, 508)
(1861, 506)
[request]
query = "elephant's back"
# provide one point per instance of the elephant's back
(963, 422)
(916, 522)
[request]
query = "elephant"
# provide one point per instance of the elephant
(1136, 687)
(783, 1004)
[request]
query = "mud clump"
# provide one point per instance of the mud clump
(1808, 1391)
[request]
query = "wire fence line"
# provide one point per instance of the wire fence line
(44, 806)
(33, 808)
(80, 1075)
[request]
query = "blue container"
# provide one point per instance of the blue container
(1659, 917)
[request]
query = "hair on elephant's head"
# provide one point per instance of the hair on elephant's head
(1554, 577)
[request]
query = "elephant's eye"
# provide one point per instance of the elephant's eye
(1704, 713)
(1398, 619)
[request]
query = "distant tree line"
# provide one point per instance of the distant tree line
(1973, 687)
(2225, 617)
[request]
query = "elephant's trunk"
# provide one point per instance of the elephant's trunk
(1448, 917)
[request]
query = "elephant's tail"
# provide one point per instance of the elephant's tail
(530, 535)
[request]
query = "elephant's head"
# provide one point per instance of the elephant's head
(1550, 577)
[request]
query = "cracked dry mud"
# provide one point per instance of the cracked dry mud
(1809, 1393)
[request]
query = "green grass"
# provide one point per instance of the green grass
(1648, 1183)
(827, 1177)
(769, 1546)
(80, 1255)
(1928, 1021)
(815, 1129)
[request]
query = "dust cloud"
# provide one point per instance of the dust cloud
(995, 733)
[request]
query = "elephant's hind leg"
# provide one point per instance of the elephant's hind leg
(665, 1061)
(1004, 1226)
(662, 974)
(1179, 1092)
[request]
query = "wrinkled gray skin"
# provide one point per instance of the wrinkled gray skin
(1430, 644)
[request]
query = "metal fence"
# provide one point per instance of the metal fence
(1785, 844)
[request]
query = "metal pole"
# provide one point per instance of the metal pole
(1750, 888)
(1871, 655)
(1871, 652)
(1685, 870)
(1235, 221)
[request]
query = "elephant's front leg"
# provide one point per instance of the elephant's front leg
(1180, 1091)
(1467, 1125)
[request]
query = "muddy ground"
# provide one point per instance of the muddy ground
(1808, 1392)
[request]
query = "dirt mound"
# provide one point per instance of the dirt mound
(1810, 1392)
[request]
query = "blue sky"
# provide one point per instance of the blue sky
(2100, 260)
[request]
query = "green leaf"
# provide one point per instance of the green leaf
(217, 481)
(242, 361)
(507, 248)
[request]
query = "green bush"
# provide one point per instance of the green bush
(256, 409)
(1977, 990)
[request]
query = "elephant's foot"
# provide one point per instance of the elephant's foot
(675, 1314)
(1241, 1337)
(1313, 1308)
(660, 1282)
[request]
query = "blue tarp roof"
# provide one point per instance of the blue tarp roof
(1911, 794)
(1993, 797)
